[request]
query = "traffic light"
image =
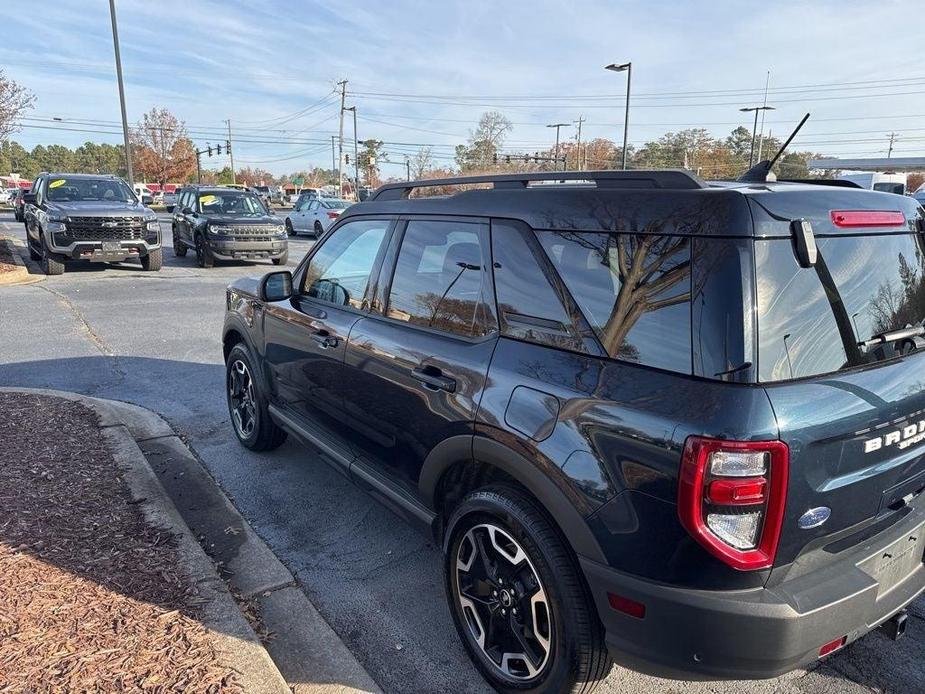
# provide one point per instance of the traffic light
(346, 160)
(507, 159)
(218, 150)
(209, 150)
(228, 146)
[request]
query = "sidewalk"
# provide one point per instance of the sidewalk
(103, 585)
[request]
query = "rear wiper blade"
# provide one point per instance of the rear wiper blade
(892, 336)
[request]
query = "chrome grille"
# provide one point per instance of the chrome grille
(92, 229)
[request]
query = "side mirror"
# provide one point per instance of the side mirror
(170, 209)
(276, 286)
(186, 210)
(28, 198)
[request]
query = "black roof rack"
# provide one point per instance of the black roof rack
(675, 179)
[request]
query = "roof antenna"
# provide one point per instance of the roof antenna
(759, 172)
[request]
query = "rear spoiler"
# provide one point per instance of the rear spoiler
(837, 183)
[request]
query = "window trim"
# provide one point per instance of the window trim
(580, 325)
(387, 275)
(300, 274)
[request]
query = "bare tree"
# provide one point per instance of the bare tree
(421, 162)
(14, 101)
(163, 150)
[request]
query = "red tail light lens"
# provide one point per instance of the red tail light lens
(852, 219)
(333, 215)
(731, 497)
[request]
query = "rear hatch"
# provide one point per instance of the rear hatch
(847, 389)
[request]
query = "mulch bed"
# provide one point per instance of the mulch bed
(7, 264)
(92, 598)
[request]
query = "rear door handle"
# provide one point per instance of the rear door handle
(433, 379)
(325, 339)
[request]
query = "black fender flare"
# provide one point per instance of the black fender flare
(457, 449)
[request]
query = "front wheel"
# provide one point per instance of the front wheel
(517, 597)
(51, 263)
(282, 260)
(289, 230)
(204, 257)
(179, 248)
(247, 404)
(153, 261)
(319, 230)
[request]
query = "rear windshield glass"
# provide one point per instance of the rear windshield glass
(811, 320)
(633, 289)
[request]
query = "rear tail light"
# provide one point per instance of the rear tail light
(731, 497)
(852, 219)
(333, 215)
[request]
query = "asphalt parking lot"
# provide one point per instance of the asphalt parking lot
(154, 339)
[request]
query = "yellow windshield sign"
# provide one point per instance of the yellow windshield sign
(57, 183)
(207, 199)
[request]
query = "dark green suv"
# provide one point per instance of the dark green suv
(226, 224)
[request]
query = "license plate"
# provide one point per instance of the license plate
(112, 247)
(896, 562)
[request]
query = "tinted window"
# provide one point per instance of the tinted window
(528, 306)
(634, 290)
(339, 272)
(438, 280)
(810, 320)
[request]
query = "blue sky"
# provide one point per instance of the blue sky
(271, 67)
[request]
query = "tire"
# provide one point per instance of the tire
(153, 261)
(204, 257)
(319, 230)
(259, 433)
(289, 230)
(566, 636)
(282, 260)
(179, 248)
(51, 263)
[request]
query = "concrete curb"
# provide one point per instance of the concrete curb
(181, 495)
(21, 274)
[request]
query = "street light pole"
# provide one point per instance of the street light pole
(115, 43)
(557, 126)
(628, 69)
(756, 109)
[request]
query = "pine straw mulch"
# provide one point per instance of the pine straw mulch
(92, 598)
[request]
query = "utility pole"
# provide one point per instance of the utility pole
(340, 141)
(356, 161)
(581, 119)
(889, 153)
(115, 43)
(333, 154)
(233, 179)
(557, 126)
(756, 109)
(407, 168)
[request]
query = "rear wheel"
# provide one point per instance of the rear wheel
(247, 404)
(153, 261)
(51, 263)
(518, 599)
(179, 248)
(204, 257)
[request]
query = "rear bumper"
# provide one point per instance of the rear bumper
(758, 633)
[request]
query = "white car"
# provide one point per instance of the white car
(315, 215)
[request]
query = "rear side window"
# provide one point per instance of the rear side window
(439, 279)
(810, 320)
(528, 306)
(633, 289)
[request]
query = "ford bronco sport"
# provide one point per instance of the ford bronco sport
(650, 420)
(226, 223)
(89, 217)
